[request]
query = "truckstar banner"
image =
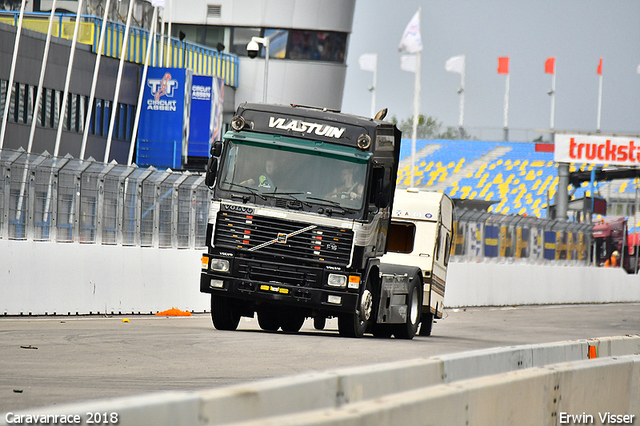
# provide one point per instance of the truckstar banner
(622, 151)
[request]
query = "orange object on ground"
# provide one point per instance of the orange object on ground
(173, 312)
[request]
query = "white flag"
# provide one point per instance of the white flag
(411, 40)
(157, 3)
(408, 63)
(638, 69)
(455, 64)
(368, 62)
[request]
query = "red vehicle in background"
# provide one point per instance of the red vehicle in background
(611, 235)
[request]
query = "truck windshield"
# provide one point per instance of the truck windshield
(308, 176)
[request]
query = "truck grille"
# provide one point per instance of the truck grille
(257, 271)
(277, 237)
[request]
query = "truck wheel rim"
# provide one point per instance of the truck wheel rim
(366, 305)
(413, 313)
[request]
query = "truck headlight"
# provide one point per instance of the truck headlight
(336, 280)
(219, 265)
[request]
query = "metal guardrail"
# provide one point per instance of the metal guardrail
(202, 60)
(66, 200)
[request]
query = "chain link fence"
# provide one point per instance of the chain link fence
(66, 200)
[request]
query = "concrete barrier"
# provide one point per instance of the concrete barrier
(463, 385)
(508, 284)
(40, 278)
(566, 393)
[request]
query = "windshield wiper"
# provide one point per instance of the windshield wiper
(329, 212)
(291, 195)
(244, 197)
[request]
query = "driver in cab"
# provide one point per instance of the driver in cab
(264, 180)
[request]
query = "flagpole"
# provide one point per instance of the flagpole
(114, 104)
(7, 104)
(599, 100)
(43, 68)
(416, 107)
(143, 81)
(169, 47)
(161, 62)
(94, 83)
(553, 97)
(506, 109)
(464, 66)
(374, 88)
(65, 95)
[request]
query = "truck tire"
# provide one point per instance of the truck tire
(414, 307)
(268, 320)
(319, 322)
(427, 324)
(382, 331)
(354, 325)
(291, 323)
(224, 313)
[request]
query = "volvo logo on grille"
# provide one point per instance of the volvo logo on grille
(282, 238)
(239, 209)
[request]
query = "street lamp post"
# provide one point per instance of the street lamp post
(252, 50)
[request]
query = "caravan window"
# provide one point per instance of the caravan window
(401, 237)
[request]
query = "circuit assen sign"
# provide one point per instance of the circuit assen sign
(623, 151)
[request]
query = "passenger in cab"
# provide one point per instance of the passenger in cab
(350, 188)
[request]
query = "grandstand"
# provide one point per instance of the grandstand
(518, 177)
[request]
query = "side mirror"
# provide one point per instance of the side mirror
(216, 149)
(211, 172)
(382, 199)
(380, 188)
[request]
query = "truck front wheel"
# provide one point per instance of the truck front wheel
(414, 306)
(291, 323)
(268, 320)
(225, 313)
(354, 325)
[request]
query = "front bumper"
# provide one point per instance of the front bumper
(276, 293)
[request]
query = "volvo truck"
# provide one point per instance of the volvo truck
(302, 213)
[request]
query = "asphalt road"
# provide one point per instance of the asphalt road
(54, 360)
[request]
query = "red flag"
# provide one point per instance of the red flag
(550, 65)
(600, 67)
(503, 65)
